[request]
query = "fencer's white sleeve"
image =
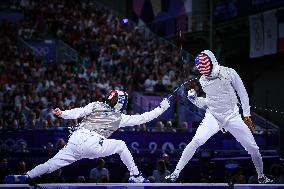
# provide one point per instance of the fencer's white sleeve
(200, 102)
(78, 112)
(132, 120)
(241, 91)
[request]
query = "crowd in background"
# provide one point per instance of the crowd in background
(115, 55)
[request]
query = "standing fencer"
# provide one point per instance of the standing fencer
(220, 85)
(90, 139)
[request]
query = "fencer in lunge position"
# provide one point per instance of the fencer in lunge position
(90, 139)
(220, 85)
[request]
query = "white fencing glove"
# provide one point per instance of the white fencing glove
(191, 94)
(57, 112)
(165, 104)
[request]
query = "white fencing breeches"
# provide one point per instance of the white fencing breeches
(206, 129)
(242, 133)
(86, 144)
(209, 126)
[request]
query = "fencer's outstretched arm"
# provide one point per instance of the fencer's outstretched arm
(132, 120)
(241, 90)
(197, 101)
(77, 112)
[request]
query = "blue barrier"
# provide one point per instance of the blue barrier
(143, 143)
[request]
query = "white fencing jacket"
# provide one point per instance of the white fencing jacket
(221, 87)
(102, 119)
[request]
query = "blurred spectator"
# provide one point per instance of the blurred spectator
(184, 126)
(143, 128)
(80, 179)
(56, 177)
(276, 171)
(45, 125)
(169, 126)
(32, 122)
(238, 177)
(18, 113)
(161, 171)
(15, 125)
(125, 177)
(253, 179)
(100, 173)
(149, 84)
(4, 170)
(151, 179)
(49, 149)
(159, 127)
(21, 169)
(160, 88)
(60, 144)
(22, 148)
(168, 163)
(3, 124)
(204, 178)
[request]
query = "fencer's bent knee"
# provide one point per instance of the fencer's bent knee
(120, 146)
(197, 143)
(252, 150)
(194, 144)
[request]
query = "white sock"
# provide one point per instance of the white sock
(258, 164)
(187, 154)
